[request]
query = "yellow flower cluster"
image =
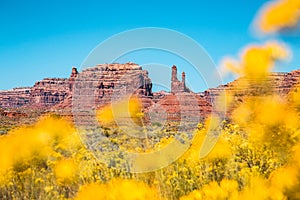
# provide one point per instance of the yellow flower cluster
(118, 189)
(278, 15)
(256, 61)
(256, 154)
(39, 141)
(48, 161)
(127, 108)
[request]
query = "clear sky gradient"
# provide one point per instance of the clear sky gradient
(41, 39)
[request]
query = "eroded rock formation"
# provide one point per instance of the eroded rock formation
(176, 85)
(181, 105)
(15, 98)
(279, 83)
(106, 83)
(100, 85)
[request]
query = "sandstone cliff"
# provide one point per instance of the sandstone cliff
(97, 86)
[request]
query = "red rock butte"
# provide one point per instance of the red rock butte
(107, 82)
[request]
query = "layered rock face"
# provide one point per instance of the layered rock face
(99, 86)
(109, 82)
(104, 81)
(284, 82)
(44, 94)
(15, 98)
(49, 92)
(181, 105)
(276, 83)
(102, 84)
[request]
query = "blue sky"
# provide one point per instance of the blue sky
(40, 39)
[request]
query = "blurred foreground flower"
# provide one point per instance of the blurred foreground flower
(278, 15)
(65, 171)
(129, 108)
(118, 189)
(256, 61)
